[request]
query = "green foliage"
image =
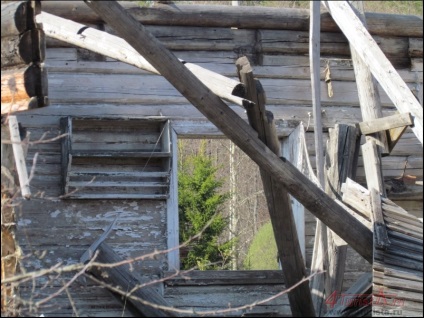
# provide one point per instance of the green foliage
(262, 252)
(199, 203)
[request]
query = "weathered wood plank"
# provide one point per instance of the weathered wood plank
(415, 47)
(240, 17)
(372, 166)
(380, 67)
(385, 123)
(381, 239)
(235, 128)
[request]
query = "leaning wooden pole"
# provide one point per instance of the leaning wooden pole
(319, 257)
(278, 199)
(235, 128)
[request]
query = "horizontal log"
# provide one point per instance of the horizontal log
(275, 60)
(415, 47)
(23, 83)
(21, 105)
(292, 67)
(18, 17)
(241, 17)
(24, 49)
(331, 44)
(152, 89)
(385, 123)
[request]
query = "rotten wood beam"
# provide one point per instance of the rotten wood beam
(278, 200)
(235, 128)
(128, 280)
(369, 51)
(117, 48)
(385, 123)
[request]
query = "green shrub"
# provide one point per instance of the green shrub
(262, 252)
(199, 203)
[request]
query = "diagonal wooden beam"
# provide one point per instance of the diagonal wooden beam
(235, 128)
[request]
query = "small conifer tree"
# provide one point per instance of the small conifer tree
(200, 202)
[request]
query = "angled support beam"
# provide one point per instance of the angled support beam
(335, 216)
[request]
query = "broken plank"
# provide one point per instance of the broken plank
(380, 231)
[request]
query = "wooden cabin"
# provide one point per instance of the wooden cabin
(92, 129)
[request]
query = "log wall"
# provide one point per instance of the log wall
(86, 86)
(23, 77)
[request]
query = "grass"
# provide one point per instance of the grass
(262, 252)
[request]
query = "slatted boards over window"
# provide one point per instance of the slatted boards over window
(115, 159)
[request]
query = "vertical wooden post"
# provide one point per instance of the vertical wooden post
(369, 97)
(319, 257)
(278, 200)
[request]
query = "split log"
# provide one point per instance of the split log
(24, 49)
(18, 17)
(235, 128)
(117, 48)
(378, 63)
(245, 17)
(19, 86)
(125, 279)
(278, 200)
